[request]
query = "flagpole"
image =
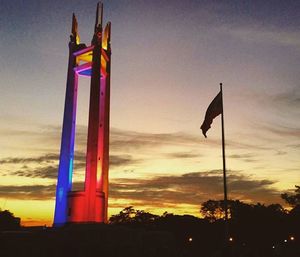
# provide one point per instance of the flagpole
(224, 171)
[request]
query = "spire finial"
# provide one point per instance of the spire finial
(99, 15)
(74, 32)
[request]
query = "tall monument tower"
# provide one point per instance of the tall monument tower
(89, 205)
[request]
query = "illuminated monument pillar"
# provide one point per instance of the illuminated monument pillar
(89, 205)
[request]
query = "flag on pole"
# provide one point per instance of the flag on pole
(214, 109)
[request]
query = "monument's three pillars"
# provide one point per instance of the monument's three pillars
(91, 204)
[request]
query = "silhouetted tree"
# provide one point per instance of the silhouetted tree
(253, 223)
(124, 216)
(238, 210)
(144, 217)
(212, 210)
(294, 214)
(131, 216)
(8, 221)
(292, 199)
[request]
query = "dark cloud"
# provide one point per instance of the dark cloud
(282, 107)
(162, 191)
(182, 155)
(124, 140)
(286, 103)
(122, 160)
(294, 146)
(241, 156)
(246, 146)
(281, 153)
(248, 157)
(48, 165)
(40, 159)
(121, 141)
(283, 131)
(80, 156)
(193, 188)
(31, 138)
(32, 192)
(286, 106)
(284, 135)
(44, 166)
(49, 171)
(290, 99)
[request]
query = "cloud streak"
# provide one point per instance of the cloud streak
(193, 188)
(284, 131)
(182, 155)
(127, 140)
(266, 35)
(34, 192)
(122, 142)
(247, 157)
(48, 164)
(163, 191)
(40, 159)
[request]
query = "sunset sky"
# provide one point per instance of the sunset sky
(168, 58)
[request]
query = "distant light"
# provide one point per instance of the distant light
(190, 239)
(292, 238)
(273, 246)
(285, 240)
(230, 239)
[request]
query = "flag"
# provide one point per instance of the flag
(214, 109)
